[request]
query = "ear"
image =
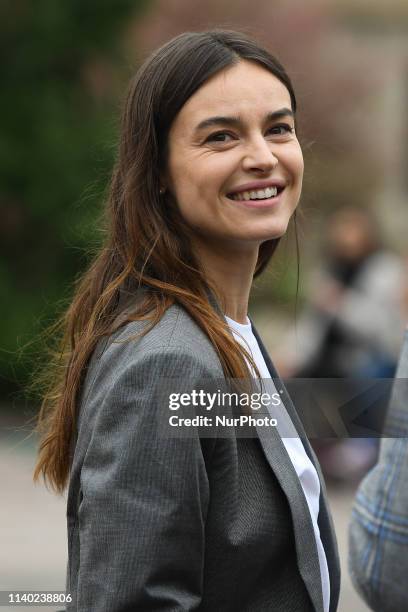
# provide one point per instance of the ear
(162, 184)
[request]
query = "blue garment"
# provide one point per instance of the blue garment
(378, 556)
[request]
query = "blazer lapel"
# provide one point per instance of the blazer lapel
(324, 520)
(279, 461)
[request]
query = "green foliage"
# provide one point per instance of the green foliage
(58, 101)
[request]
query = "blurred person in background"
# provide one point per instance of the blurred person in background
(378, 534)
(209, 174)
(351, 326)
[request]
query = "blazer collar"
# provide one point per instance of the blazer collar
(281, 464)
(325, 522)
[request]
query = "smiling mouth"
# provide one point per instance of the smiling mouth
(255, 195)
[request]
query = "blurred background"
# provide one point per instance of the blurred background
(64, 72)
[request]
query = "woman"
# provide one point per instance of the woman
(208, 176)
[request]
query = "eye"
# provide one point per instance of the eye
(281, 129)
(218, 137)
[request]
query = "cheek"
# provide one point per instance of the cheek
(186, 176)
(185, 198)
(300, 163)
(297, 163)
(201, 179)
(189, 187)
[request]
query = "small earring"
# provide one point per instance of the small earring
(162, 190)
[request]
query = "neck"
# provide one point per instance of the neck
(231, 271)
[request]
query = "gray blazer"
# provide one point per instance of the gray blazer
(378, 558)
(210, 524)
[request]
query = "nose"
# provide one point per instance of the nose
(260, 156)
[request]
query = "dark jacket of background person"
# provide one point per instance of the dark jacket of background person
(184, 524)
(378, 557)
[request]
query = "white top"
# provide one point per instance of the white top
(304, 467)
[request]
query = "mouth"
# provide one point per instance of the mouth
(269, 194)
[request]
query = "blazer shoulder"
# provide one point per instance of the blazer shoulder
(175, 335)
(175, 346)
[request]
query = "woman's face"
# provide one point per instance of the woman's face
(235, 166)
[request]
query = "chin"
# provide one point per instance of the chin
(272, 231)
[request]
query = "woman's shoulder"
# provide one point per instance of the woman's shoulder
(176, 334)
(174, 347)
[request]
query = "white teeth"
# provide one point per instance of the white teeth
(260, 194)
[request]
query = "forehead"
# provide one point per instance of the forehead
(245, 89)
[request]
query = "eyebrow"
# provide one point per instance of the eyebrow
(235, 121)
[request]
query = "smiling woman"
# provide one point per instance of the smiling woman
(209, 174)
(234, 138)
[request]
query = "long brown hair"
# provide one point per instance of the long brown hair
(147, 243)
